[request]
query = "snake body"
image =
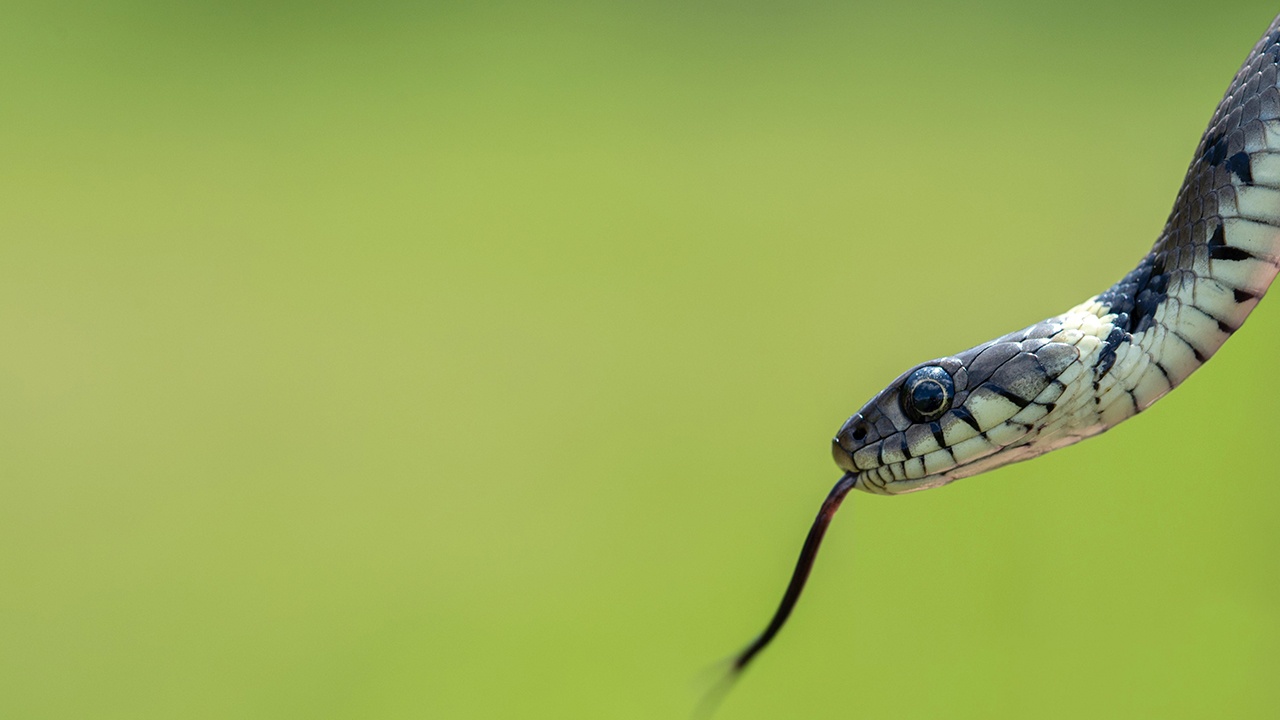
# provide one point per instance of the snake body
(1103, 361)
(1111, 357)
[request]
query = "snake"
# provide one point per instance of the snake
(1080, 373)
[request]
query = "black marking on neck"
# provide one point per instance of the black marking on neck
(1242, 295)
(1107, 357)
(1135, 298)
(1239, 164)
(1228, 252)
(1195, 351)
(1222, 324)
(1220, 250)
(1163, 371)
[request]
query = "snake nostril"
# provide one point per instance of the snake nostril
(853, 434)
(849, 438)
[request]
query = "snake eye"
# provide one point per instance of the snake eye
(927, 393)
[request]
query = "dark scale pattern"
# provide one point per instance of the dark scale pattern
(1220, 250)
(1107, 357)
(1238, 164)
(1138, 294)
(1195, 246)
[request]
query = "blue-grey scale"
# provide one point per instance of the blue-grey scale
(1105, 360)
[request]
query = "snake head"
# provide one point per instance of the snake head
(957, 416)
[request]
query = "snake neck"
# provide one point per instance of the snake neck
(1215, 259)
(1146, 334)
(1173, 312)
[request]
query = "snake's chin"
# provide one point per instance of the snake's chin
(1007, 456)
(903, 487)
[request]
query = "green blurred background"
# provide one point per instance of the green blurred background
(400, 361)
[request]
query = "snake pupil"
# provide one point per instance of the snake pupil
(929, 397)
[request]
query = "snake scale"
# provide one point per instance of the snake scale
(1105, 360)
